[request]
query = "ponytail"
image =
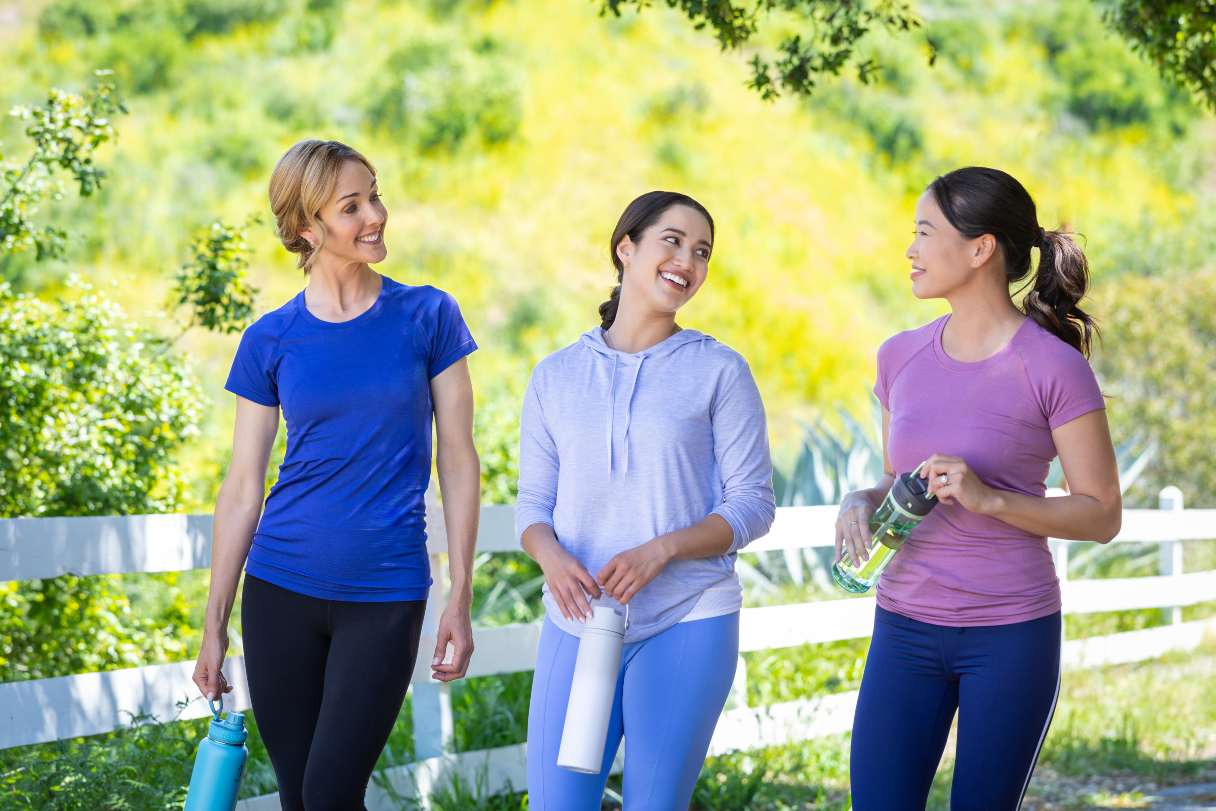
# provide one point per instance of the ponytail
(978, 200)
(608, 308)
(1059, 284)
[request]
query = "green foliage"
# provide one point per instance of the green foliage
(779, 778)
(441, 94)
(213, 283)
(1154, 359)
(91, 421)
(806, 671)
(826, 43)
(148, 768)
(494, 710)
(66, 132)
(145, 41)
(1101, 82)
(1178, 37)
(68, 19)
(91, 417)
(145, 765)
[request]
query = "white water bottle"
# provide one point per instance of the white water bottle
(593, 689)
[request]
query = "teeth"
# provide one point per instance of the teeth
(370, 238)
(671, 277)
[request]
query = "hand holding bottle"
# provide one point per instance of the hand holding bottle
(569, 582)
(207, 670)
(952, 480)
(853, 526)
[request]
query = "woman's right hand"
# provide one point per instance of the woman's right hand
(852, 527)
(569, 583)
(207, 670)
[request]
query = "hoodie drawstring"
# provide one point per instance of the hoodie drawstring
(611, 408)
(633, 387)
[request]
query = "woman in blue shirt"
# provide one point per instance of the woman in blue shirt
(336, 569)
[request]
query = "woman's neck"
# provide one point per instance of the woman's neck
(342, 289)
(982, 321)
(633, 332)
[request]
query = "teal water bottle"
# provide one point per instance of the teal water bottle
(219, 764)
(906, 504)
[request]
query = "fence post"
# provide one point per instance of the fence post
(1170, 560)
(432, 700)
(738, 689)
(1059, 554)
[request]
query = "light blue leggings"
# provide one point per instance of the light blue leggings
(669, 695)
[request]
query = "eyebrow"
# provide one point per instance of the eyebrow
(925, 222)
(355, 193)
(681, 233)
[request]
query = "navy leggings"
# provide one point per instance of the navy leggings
(1002, 679)
(327, 678)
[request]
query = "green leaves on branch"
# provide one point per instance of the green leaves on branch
(90, 421)
(1178, 37)
(213, 284)
(829, 33)
(89, 418)
(66, 132)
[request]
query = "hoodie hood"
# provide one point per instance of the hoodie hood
(628, 367)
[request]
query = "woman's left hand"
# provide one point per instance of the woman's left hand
(953, 481)
(626, 574)
(456, 627)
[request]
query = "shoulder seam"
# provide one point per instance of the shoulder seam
(924, 344)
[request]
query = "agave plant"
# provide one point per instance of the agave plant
(830, 463)
(834, 461)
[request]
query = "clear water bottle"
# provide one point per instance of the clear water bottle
(906, 504)
(593, 689)
(219, 764)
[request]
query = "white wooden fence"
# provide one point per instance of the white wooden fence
(53, 709)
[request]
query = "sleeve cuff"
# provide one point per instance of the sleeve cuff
(248, 394)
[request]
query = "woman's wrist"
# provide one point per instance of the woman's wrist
(994, 503)
(664, 547)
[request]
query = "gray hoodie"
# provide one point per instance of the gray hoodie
(618, 448)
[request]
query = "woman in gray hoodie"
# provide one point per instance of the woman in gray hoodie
(643, 469)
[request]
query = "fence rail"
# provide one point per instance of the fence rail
(43, 710)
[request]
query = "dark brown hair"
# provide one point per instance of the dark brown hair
(639, 215)
(977, 200)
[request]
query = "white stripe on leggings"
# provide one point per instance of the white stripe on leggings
(1042, 736)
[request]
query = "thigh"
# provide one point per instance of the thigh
(1008, 690)
(675, 686)
(286, 643)
(904, 711)
(368, 671)
(550, 787)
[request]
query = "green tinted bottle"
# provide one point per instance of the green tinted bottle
(905, 505)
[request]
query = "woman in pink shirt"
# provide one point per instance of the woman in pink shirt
(968, 615)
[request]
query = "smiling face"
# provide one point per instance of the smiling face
(942, 258)
(668, 264)
(354, 219)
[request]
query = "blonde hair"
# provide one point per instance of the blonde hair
(302, 182)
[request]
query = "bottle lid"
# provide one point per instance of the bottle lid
(608, 616)
(911, 493)
(230, 730)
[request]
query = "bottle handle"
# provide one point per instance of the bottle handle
(916, 472)
(214, 711)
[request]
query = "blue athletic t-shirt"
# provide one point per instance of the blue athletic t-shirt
(346, 519)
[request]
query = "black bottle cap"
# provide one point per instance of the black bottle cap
(911, 493)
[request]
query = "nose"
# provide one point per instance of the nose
(911, 252)
(683, 257)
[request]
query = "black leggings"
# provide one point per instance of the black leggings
(327, 679)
